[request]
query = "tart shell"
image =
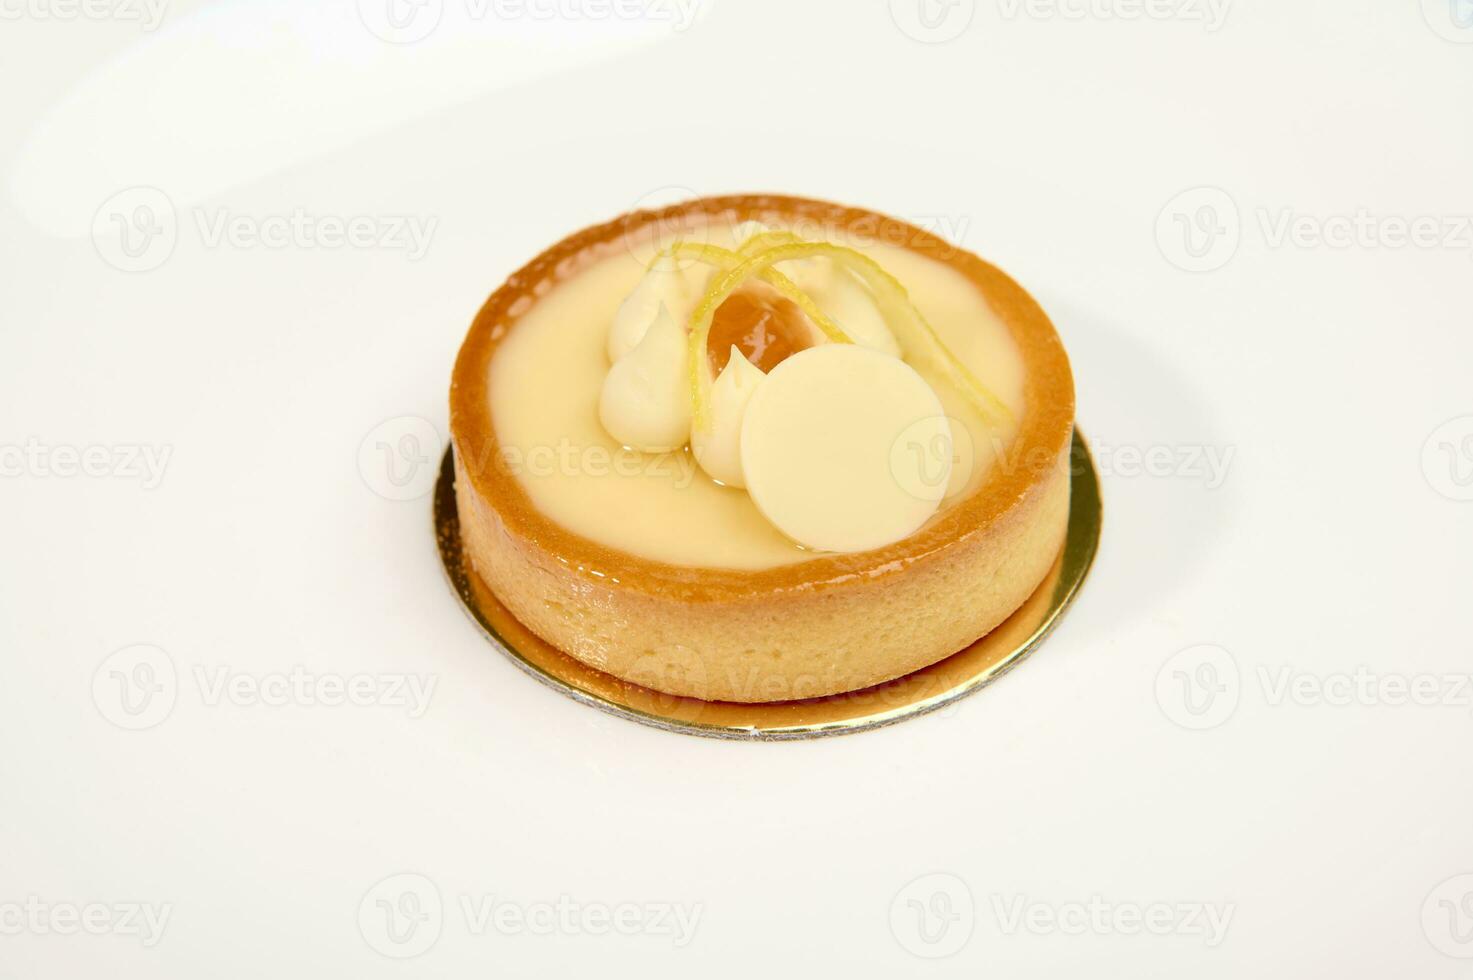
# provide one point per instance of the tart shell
(824, 626)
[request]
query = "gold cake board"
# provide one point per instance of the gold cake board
(915, 694)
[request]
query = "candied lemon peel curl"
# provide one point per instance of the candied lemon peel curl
(756, 257)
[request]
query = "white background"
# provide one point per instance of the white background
(1054, 141)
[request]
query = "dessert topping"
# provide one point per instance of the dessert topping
(792, 375)
(645, 401)
(664, 283)
(718, 449)
(820, 447)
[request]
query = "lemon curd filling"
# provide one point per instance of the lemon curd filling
(546, 378)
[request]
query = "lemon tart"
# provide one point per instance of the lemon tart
(761, 448)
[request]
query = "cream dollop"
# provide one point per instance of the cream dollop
(853, 308)
(665, 284)
(826, 448)
(718, 449)
(645, 402)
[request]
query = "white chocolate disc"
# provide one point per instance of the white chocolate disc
(819, 447)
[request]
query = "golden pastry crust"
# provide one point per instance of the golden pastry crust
(832, 624)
